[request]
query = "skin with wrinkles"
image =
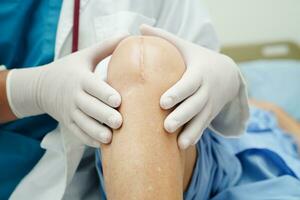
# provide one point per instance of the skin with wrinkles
(143, 161)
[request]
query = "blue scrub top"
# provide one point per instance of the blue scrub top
(27, 39)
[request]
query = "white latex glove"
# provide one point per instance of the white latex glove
(211, 80)
(69, 91)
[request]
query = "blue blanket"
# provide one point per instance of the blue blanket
(274, 81)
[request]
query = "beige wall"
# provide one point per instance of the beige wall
(247, 21)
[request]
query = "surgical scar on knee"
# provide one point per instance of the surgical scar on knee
(143, 161)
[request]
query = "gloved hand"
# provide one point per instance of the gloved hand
(69, 91)
(211, 80)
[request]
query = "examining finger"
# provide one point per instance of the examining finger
(101, 90)
(194, 130)
(92, 127)
(84, 137)
(99, 110)
(184, 88)
(186, 110)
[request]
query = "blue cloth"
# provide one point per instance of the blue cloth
(28, 30)
(275, 81)
(262, 164)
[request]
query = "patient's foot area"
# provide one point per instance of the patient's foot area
(143, 161)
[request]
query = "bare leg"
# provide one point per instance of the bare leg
(286, 122)
(143, 161)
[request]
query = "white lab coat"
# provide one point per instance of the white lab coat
(54, 175)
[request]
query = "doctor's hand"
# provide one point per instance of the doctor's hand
(211, 80)
(69, 91)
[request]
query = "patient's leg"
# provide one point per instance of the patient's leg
(143, 161)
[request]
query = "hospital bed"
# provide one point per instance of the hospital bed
(272, 72)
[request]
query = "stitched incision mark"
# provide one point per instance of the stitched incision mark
(141, 63)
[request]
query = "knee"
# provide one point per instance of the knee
(142, 69)
(145, 61)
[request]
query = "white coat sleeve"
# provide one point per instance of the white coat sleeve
(190, 20)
